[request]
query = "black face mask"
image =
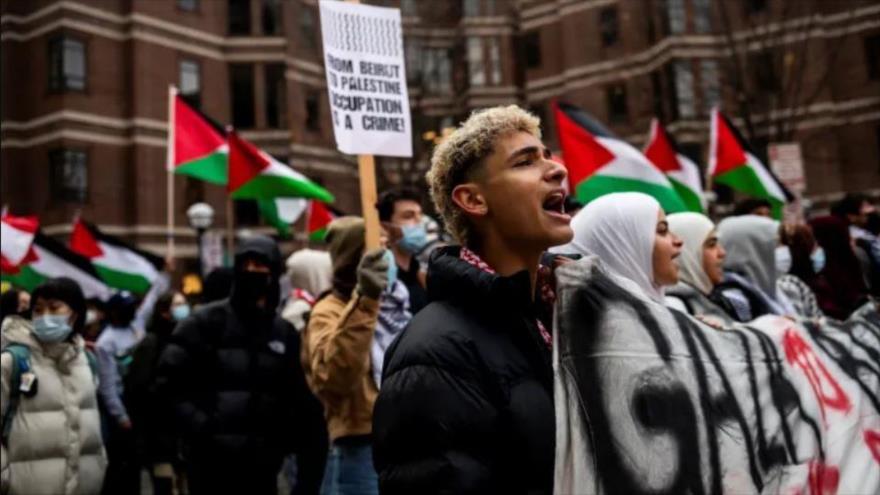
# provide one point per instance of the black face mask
(253, 285)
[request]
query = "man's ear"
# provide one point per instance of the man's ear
(469, 198)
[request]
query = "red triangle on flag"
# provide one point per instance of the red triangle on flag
(583, 154)
(660, 150)
(245, 162)
(194, 137)
(727, 152)
(319, 216)
(82, 241)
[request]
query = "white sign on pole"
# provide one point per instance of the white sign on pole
(212, 251)
(788, 164)
(366, 79)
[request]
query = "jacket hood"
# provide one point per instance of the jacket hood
(451, 278)
(310, 270)
(264, 249)
(345, 236)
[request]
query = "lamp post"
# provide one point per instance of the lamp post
(200, 216)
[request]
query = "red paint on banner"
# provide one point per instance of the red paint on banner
(799, 353)
(872, 438)
(823, 479)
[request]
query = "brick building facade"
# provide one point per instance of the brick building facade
(84, 88)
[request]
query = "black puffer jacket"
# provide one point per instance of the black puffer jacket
(230, 379)
(466, 404)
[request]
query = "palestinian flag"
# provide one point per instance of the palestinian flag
(732, 163)
(16, 237)
(282, 212)
(254, 174)
(199, 146)
(681, 171)
(319, 218)
(599, 163)
(52, 259)
(119, 264)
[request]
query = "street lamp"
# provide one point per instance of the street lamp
(200, 216)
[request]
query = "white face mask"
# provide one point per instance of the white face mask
(91, 317)
(783, 260)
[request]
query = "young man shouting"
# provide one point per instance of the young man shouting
(466, 404)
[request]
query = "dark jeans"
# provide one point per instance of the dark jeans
(350, 470)
(123, 468)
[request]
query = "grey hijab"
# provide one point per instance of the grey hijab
(750, 242)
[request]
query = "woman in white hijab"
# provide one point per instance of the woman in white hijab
(700, 265)
(629, 233)
(750, 267)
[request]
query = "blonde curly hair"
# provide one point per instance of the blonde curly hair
(463, 152)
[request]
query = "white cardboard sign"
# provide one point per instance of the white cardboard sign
(366, 79)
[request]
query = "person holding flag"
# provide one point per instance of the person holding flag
(466, 404)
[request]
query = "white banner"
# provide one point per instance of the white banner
(366, 79)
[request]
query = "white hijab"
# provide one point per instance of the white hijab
(693, 229)
(620, 229)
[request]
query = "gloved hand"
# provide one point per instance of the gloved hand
(372, 274)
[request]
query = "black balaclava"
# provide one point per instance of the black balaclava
(248, 287)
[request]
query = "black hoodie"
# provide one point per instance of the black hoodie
(232, 382)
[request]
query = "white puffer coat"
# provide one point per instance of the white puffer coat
(55, 444)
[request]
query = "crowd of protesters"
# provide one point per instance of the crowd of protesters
(420, 367)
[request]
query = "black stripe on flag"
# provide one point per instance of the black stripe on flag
(154, 260)
(81, 263)
(585, 120)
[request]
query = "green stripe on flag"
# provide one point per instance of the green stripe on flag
(123, 281)
(746, 181)
(600, 185)
(271, 186)
(27, 278)
(318, 235)
(691, 200)
(210, 168)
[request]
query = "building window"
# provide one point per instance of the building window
(609, 26)
(684, 89)
(69, 175)
(307, 27)
(188, 5)
(471, 8)
(765, 74)
(675, 16)
(702, 16)
(710, 85)
(191, 82)
(615, 96)
(872, 55)
(276, 96)
(413, 49)
(67, 60)
(239, 14)
(494, 61)
(241, 79)
(755, 6)
(437, 73)
(271, 17)
(313, 111)
(476, 64)
(532, 49)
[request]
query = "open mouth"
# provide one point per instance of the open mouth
(554, 204)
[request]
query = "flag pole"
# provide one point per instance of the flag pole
(230, 228)
(169, 169)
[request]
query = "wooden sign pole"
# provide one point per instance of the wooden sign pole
(367, 174)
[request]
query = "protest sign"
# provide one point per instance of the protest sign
(366, 79)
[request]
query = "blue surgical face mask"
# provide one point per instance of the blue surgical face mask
(818, 259)
(414, 238)
(50, 329)
(180, 312)
(392, 268)
(783, 260)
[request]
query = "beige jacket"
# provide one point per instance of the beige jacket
(55, 444)
(336, 360)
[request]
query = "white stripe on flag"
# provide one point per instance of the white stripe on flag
(125, 261)
(14, 243)
(630, 163)
(764, 176)
(52, 266)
